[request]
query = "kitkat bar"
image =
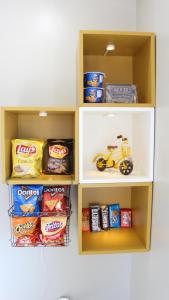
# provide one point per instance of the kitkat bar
(125, 217)
(85, 219)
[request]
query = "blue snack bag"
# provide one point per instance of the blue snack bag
(114, 215)
(26, 199)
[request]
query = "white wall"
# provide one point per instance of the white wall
(150, 272)
(38, 42)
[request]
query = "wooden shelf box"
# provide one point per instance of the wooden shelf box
(99, 127)
(138, 197)
(25, 122)
(132, 62)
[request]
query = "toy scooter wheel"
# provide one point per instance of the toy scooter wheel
(101, 164)
(126, 167)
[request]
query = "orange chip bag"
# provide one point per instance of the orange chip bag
(27, 158)
(53, 230)
(24, 226)
(26, 231)
(28, 241)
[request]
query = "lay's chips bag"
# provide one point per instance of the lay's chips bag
(27, 158)
(58, 156)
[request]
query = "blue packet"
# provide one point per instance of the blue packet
(26, 199)
(114, 215)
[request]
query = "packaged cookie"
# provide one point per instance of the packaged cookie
(58, 157)
(26, 158)
(114, 215)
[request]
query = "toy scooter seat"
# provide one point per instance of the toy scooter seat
(111, 147)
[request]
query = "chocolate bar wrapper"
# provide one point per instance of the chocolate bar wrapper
(85, 219)
(126, 217)
(95, 218)
(114, 215)
(104, 217)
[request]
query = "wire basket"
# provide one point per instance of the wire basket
(38, 242)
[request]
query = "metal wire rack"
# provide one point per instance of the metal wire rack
(39, 243)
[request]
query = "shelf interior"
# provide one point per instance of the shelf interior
(115, 240)
(27, 124)
(44, 179)
(137, 238)
(126, 44)
(110, 176)
(132, 61)
(102, 126)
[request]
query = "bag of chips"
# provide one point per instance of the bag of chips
(26, 231)
(26, 158)
(53, 230)
(26, 199)
(58, 158)
(54, 199)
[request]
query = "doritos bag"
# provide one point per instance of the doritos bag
(54, 199)
(26, 199)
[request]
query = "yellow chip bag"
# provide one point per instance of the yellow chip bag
(27, 158)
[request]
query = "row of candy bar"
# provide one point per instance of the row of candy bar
(30, 200)
(31, 157)
(97, 218)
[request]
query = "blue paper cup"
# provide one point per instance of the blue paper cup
(93, 95)
(93, 79)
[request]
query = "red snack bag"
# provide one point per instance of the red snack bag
(54, 199)
(28, 240)
(53, 230)
(85, 219)
(126, 217)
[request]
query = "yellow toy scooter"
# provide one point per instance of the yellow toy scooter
(116, 158)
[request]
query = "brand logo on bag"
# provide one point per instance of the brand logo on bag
(22, 149)
(58, 151)
(50, 227)
(22, 227)
(54, 190)
(27, 193)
